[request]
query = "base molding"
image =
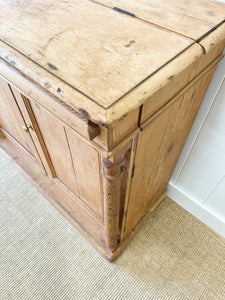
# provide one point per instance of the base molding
(197, 209)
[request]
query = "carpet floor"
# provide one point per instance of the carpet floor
(174, 256)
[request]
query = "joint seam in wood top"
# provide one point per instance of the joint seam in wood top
(210, 31)
(140, 19)
(198, 41)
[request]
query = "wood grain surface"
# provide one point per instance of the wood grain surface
(98, 51)
(94, 58)
(187, 17)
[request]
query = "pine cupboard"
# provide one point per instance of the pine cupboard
(97, 100)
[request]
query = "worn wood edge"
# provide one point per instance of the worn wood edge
(38, 75)
(162, 77)
(196, 79)
(127, 239)
(7, 151)
(129, 102)
(30, 85)
(93, 130)
(86, 106)
(79, 133)
(81, 124)
(83, 104)
(213, 38)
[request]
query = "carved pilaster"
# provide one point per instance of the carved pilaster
(112, 173)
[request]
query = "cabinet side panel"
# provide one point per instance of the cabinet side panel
(148, 148)
(54, 135)
(86, 165)
(159, 147)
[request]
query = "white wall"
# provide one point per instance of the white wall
(198, 182)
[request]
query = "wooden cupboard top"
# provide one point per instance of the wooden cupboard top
(95, 58)
(98, 51)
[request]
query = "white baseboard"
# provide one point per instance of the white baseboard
(197, 209)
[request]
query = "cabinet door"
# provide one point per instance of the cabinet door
(75, 161)
(159, 146)
(56, 141)
(86, 164)
(13, 123)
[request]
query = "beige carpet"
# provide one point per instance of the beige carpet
(42, 256)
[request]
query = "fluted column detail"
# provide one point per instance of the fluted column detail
(112, 173)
